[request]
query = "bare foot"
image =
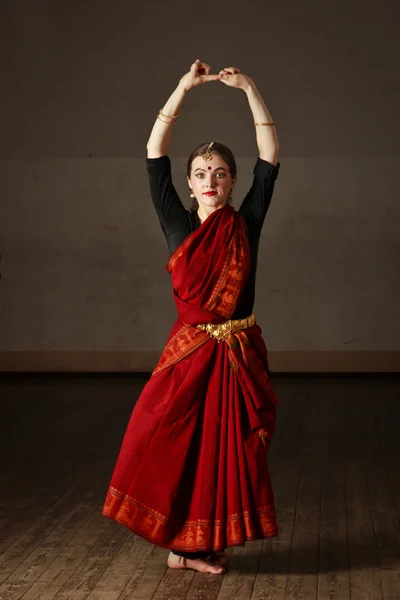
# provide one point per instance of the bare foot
(198, 564)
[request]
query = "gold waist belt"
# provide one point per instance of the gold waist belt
(220, 330)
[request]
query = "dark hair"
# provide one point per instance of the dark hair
(225, 153)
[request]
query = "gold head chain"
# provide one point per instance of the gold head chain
(207, 154)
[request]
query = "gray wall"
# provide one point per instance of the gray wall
(82, 253)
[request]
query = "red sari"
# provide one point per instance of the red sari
(192, 473)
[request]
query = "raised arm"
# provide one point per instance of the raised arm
(267, 139)
(160, 137)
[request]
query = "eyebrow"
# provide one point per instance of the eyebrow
(200, 169)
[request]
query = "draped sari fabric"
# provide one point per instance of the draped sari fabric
(192, 472)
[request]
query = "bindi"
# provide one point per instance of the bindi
(209, 168)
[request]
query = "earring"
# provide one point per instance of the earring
(192, 195)
(230, 198)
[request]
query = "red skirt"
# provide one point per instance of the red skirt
(191, 474)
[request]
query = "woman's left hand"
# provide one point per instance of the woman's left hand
(234, 78)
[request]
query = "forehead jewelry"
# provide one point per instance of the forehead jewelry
(207, 153)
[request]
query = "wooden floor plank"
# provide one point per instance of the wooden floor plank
(334, 461)
(85, 577)
(206, 587)
(147, 576)
(118, 575)
(289, 419)
(303, 581)
(365, 573)
(42, 528)
(386, 527)
(37, 562)
(335, 397)
(386, 407)
(174, 584)
(17, 521)
(333, 579)
(65, 563)
(271, 579)
(238, 582)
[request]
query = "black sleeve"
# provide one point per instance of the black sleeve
(172, 214)
(256, 203)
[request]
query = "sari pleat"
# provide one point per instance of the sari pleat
(192, 472)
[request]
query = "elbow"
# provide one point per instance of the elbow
(271, 156)
(275, 156)
(275, 159)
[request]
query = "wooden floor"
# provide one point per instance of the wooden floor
(335, 463)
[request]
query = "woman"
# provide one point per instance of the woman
(192, 473)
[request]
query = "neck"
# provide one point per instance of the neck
(205, 211)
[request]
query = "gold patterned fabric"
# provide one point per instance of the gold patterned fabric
(220, 330)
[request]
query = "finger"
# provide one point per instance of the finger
(203, 72)
(233, 70)
(230, 73)
(202, 64)
(211, 77)
(203, 68)
(226, 80)
(197, 63)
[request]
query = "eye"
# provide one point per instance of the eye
(220, 175)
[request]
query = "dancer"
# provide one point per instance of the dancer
(192, 473)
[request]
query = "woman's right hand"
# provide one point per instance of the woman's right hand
(199, 73)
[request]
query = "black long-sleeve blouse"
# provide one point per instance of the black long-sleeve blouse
(177, 222)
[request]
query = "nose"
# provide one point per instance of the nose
(210, 179)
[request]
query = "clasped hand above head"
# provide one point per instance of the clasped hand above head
(200, 73)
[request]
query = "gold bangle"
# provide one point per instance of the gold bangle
(167, 122)
(272, 123)
(169, 116)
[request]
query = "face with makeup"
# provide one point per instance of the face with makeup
(210, 176)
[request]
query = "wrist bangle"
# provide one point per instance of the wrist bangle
(272, 123)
